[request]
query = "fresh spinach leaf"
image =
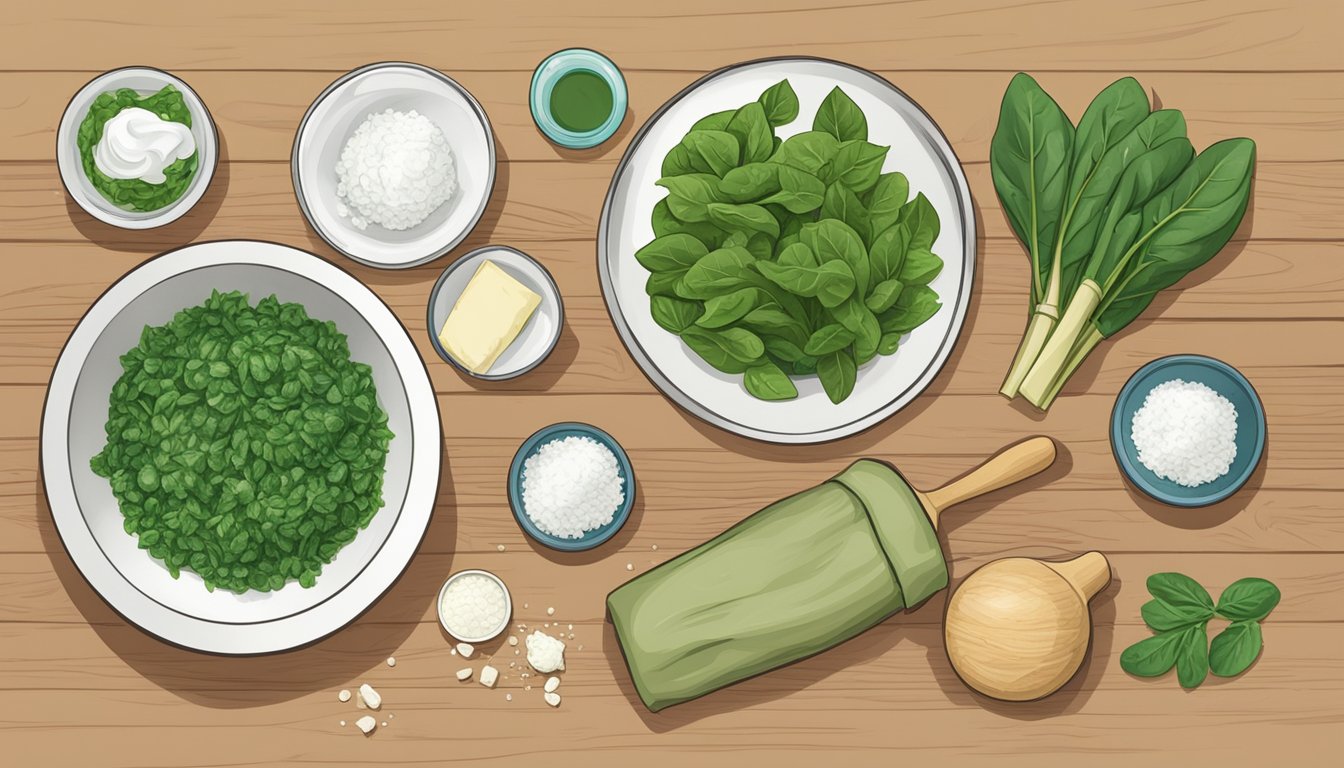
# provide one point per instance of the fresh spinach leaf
(780, 104)
(889, 343)
(743, 217)
(1179, 591)
(715, 151)
(728, 308)
(856, 164)
(828, 339)
(714, 122)
(921, 219)
(886, 199)
(842, 204)
(799, 191)
(887, 254)
(920, 267)
(839, 116)
(673, 314)
(1192, 656)
(831, 283)
(797, 255)
(1249, 599)
(808, 151)
(751, 182)
(753, 134)
(782, 348)
(716, 272)
(1152, 656)
(767, 382)
(832, 240)
(884, 295)
(1162, 616)
(838, 374)
(913, 307)
(690, 195)
(671, 252)
(731, 350)
(664, 283)
(664, 223)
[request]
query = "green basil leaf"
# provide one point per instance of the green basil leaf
(767, 382)
(1249, 599)
(1179, 591)
(1234, 649)
(1163, 617)
(839, 116)
(1153, 656)
(671, 252)
(674, 315)
(728, 308)
(780, 104)
(838, 374)
(1192, 656)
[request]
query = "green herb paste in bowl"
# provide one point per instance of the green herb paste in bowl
(136, 194)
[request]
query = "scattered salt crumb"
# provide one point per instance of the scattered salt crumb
(580, 647)
(500, 547)
(551, 684)
(370, 697)
(391, 661)
(344, 695)
(550, 611)
(571, 626)
(452, 652)
(513, 640)
(342, 723)
(366, 724)
(464, 674)
(655, 547)
(508, 697)
(525, 688)
(384, 723)
(515, 651)
(466, 649)
(524, 605)
(552, 698)
(571, 635)
(392, 716)
(629, 566)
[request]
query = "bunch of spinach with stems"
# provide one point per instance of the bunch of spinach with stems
(1110, 215)
(775, 258)
(1179, 614)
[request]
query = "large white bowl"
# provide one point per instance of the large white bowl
(887, 383)
(333, 118)
(87, 515)
(145, 80)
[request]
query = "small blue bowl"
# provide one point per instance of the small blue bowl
(1221, 378)
(560, 431)
(556, 66)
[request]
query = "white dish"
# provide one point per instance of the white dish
(333, 118)
(508, 605)
(539, 335)
(887, 383)
(146, 81)
(89, 519)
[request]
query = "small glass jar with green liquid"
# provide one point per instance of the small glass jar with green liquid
(578, 98)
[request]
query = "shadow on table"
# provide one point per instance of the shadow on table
(230, 682)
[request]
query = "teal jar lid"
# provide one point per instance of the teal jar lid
(551, 72)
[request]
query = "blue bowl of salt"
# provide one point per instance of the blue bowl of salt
(531, 446)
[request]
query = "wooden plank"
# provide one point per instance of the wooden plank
(48, 589)
(547, 202)
(1235, 35)
(1293, 117)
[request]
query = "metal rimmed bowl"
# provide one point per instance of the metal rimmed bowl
(333, 118)
(145, 81)
(1221, 378)
(539, 335)
(529, 448)
(885, 384)
(88, 517)
(508, 606)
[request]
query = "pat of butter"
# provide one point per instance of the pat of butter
(487, 317)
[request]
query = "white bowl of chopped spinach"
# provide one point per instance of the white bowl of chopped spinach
(134, 203)
(240, 447)
(787, 249)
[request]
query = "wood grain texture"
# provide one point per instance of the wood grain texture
(79, 686)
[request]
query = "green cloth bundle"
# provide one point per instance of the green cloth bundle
(794, 579)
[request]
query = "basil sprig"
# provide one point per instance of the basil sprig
(1179, 614)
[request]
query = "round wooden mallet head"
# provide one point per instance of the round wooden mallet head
(1017, 629)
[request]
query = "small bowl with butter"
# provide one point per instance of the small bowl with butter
(495, 313)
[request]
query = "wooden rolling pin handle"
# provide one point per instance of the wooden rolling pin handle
(1015, 463)
(1088, 573)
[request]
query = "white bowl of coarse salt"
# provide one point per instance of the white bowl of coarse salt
(1188, 430)
(474, 606)
(394, 164)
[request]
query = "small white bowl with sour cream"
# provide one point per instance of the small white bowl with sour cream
(390, 121)
(144, 160)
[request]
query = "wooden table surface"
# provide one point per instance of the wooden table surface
(79, 686)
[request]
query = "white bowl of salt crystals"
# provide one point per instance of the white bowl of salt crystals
(394, 164)
(474, 606)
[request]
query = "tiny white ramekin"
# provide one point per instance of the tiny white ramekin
(508, 606)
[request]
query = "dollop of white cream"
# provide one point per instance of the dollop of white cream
(138, 144)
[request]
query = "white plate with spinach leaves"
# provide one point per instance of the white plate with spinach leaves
(787, 249)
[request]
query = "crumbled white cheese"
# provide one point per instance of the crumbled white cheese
(464, 674)
(370, 697)
(552, 698)
(550, 611)
(344, 695)
(545, 653)
(488, 676)
(466, 649)
(391, 661)
(366, 724)
(513, 639)
(551, 684)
